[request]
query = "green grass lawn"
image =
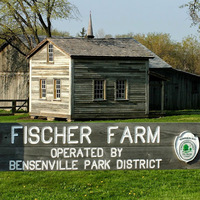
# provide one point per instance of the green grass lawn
(115, 185)
(171, 116)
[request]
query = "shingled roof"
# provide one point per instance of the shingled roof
(111, 47)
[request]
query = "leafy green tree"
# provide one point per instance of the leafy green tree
(189, 54)
(26, 17)
(183, 55)
(54, 32)
(161, 44)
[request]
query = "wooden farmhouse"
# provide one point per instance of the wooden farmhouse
(89, 78)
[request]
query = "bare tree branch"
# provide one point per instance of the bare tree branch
(25, 17)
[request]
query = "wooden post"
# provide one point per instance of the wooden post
(162, 96)
(147, 91)
(13, 106)
(28, 105)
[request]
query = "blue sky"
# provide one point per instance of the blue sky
(137, 16)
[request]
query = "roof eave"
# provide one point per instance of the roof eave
(3, 46)
(188, 73)
(159, 76)
(37, 48)
(111, 57)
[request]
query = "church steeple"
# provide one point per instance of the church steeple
(90, 29)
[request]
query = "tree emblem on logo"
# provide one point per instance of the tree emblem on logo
(186, 146)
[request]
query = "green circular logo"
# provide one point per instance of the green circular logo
(187, 150)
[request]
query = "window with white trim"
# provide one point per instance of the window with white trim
(121, 90)
(57, 88)
(50, 52)
(99, 90)
(43, 88)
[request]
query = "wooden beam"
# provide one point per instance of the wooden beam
(162, 96)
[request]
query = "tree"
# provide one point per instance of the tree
(26, 17)
(183, 55)
(162, 45)
(189, 54)
(82, 33)
(100, 33)
(128, 35)
(194, 11)
(54, 32)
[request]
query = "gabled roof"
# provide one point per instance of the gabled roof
(106, 47)
(157, 62)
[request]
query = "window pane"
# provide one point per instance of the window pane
(98, 89)
(120, 89)
(42, 88)
(50, 53)
(57, 88)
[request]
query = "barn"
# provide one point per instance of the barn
(181, 90)
(14, 73)
(87, 78)
(171, 89)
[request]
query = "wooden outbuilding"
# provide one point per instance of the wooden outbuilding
(171, 89)
(181, 90)
(82, 78)
(14, 73)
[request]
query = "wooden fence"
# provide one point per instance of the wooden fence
(16, 105)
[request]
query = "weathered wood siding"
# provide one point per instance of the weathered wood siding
(41, 69)
(182, 91)
(14, 86)
(14, 76)
(88, 70)
(12, 61)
